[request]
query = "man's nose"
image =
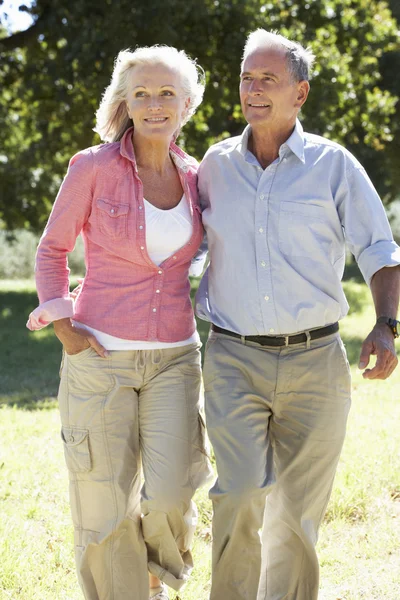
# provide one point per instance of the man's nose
(255, 87)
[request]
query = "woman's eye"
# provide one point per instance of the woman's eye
(166, 93)
(140, 94)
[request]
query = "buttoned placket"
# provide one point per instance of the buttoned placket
(261, 235)
(141, 236)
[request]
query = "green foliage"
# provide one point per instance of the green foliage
(17, 255)
(53, 75)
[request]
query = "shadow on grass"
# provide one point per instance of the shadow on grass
(30, 361)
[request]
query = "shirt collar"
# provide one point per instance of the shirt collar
(295, 142)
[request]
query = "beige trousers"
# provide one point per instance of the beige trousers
(276, 418)
(133, 410)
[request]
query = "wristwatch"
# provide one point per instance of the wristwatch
(392, 323)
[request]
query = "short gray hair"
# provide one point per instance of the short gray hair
(112, 119)
(300, 59)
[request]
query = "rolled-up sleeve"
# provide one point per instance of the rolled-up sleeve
(70, 212)
(365, 224)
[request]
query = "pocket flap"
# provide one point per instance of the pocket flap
(73, 436)
(76, 449)
(112, 209)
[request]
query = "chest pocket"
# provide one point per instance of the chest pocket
(112, 218)
(304, 230)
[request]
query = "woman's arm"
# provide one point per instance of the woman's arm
(68, 216)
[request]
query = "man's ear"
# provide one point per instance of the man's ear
(303, 88)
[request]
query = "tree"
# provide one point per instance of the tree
(52, 77)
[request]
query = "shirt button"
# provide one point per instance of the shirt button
(154, 310)
(261, 230)
(174, 257)
(140, 207)
(266, 298)
(160, 272)
(142, 247)
(263, 263)
(112, 211)
(157, 291)
(262, 196)
(140, 226)
(271, 330)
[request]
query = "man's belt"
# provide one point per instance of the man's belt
(281, 340)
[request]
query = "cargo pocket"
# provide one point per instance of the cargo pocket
(76, 449)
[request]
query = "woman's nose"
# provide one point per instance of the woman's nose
(154, 104)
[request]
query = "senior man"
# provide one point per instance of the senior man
(279, 204)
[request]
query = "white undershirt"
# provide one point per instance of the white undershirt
(166, 232)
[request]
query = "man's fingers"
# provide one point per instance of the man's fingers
(366, 351)
(385, 364)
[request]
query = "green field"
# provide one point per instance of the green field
(359, 544)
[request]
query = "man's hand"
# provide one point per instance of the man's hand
(76, 340)
(381, 343)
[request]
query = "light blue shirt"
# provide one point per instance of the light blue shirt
(276, 236)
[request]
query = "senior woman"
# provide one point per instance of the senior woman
(130, 380)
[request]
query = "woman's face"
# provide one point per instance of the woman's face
(155, 101)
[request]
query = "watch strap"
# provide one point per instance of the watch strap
(392, 323)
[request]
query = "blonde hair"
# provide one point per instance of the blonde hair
(299, 59)
(112, 119)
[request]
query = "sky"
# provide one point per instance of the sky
(17, 21)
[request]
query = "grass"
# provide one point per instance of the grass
(359, 545)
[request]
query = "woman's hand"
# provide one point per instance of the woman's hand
(75, 340)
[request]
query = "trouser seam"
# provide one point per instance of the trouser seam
(189, 429)
(112, 483)
(72, 475)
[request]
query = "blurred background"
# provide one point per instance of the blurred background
(56, 58)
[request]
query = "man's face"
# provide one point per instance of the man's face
(268, 95)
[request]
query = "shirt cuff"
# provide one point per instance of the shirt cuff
(382, 254)
(49, 311)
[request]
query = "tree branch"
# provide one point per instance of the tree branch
(23, 39)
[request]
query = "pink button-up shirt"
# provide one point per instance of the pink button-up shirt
(124, 293)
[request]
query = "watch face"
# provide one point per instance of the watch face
(392, 323)
(395, 325)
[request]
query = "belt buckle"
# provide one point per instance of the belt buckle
(287, 340)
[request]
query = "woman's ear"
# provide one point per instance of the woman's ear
(185, 111)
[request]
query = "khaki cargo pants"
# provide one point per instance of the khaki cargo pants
(276, 418)
(131, 411)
